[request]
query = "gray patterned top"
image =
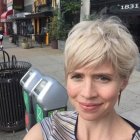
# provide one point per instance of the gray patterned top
(62, 126)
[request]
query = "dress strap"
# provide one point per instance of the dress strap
(136, 127)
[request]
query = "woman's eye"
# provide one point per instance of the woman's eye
(103, 78)
(76, 77)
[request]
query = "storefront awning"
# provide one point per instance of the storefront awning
(39, 14)
(20, 16)
(5, 14)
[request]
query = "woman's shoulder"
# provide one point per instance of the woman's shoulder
(60, 118)
(136, 127)
(136, 135)
(59, 123)
(64, 115)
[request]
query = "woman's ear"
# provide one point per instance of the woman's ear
(124, 84)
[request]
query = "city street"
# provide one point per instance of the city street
(50, 61)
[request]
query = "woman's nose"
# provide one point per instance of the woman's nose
(89, 89)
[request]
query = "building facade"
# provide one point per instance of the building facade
(2, 9)
(127, 10)
(32, 16)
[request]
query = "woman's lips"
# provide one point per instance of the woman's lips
(89, 107)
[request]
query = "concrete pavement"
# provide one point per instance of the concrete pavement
(50, 61)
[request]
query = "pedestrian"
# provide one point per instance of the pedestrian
(99, 56)
(1, 38)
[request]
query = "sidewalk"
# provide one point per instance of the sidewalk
(50, 61)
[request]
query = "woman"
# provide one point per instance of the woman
(100, 56)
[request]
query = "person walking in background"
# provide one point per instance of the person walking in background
(1, 37)
(99, 57)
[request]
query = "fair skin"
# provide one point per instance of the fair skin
(34, 133)
(94, 91)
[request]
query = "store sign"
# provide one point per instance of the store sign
(133, 7)
(18, 4)
(129, 6)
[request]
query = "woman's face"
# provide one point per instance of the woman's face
(94, 91)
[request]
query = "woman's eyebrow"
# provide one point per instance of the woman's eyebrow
(75, 72)
(96, 74)
(103, 73)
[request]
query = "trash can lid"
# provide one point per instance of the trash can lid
(49, 93)
(29, 80)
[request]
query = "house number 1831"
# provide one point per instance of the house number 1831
(130, 6)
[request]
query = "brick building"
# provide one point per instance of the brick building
(2, 9)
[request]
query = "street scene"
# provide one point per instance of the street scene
(33, 33)
(50, 62)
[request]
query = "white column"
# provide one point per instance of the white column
(85, 9)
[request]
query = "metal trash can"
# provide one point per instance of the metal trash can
(12, 109)
(28, 81)
(48, 95)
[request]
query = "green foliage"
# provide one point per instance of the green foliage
(63, 29)
(58, 28)
(53, 28)
(67, 6)
(72, 5)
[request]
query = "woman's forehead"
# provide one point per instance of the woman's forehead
(102, 68)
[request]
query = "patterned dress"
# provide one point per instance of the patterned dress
(62, 126)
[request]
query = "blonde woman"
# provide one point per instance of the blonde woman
(100, 56)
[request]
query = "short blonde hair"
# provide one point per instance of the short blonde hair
(94, 42)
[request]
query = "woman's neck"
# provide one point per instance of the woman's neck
(100, 129)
